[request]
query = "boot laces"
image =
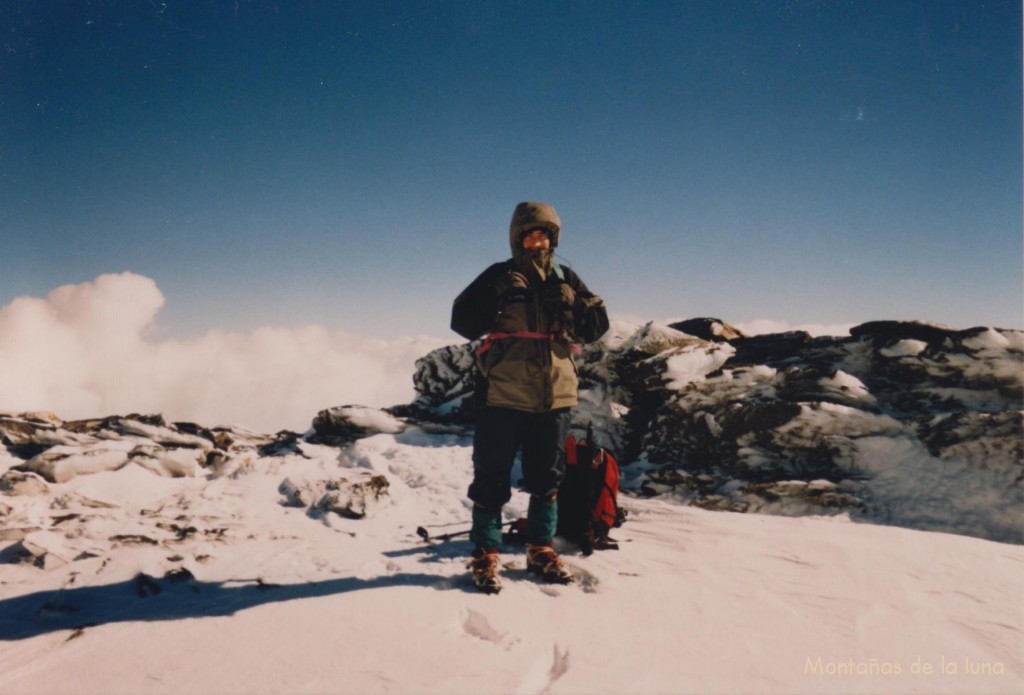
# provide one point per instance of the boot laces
(545, 558)
(485, 563)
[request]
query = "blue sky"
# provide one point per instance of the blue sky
(355, 165)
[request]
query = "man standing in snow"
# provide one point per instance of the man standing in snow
(533, 313)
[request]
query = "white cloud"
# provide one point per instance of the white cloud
(82, 352)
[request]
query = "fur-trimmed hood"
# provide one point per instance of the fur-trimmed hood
(529, 216)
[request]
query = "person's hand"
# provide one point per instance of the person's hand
(519, 280)
(559, 295)
(558, 300)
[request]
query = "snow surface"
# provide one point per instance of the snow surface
(906, 348)
(286, 600)
(689, 365)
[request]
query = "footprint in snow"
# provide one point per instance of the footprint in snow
(544, 672)
(476, 625)
(585, 579)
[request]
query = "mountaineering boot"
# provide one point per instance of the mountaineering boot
(485, 566)
(543, 561)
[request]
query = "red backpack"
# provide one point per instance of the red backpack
(588, 498)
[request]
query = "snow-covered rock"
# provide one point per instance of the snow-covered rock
(345, 424)
(22, 483)
(69, 449)
(354, 496)
(61, 463)
(709, 329)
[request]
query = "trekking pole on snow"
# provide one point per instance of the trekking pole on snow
(425, 534)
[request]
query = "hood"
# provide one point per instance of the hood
(530, 216)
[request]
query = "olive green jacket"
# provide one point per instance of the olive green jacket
(529, 374)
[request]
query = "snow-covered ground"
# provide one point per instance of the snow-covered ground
(229, 580)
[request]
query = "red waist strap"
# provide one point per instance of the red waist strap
(533, 335)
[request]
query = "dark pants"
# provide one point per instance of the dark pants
(500, 433)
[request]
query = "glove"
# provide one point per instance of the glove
(558, 300)
(559, 295)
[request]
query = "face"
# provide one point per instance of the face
(536, 240)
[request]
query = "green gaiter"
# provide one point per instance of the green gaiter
(486, 530)
(541, 520)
